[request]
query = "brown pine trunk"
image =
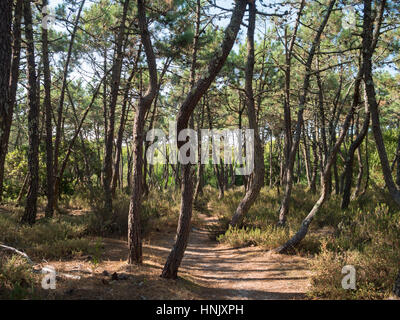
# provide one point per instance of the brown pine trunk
(134, 229)
(369, 39)
(257, 180)
(270, 160)
(49, 130)
(286, 105)
(6, 108)
(313, 185)
(175, 257)
(29, 215)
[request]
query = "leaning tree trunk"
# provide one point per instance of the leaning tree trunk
(176, 255)
(258, 175)
(33, 121)
(5, 70)
(325, 176)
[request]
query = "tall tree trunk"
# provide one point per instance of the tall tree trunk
(315, 162)
(175, 257)
(29, 215)
(49, 129)
(369, 42)
(151, 125)
(257, 180)
(5, 70)
(134, 236)
(8, 87)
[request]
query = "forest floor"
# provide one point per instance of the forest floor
(209, 271)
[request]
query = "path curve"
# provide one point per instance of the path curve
(240, 273)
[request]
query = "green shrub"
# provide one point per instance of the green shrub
(16, 277)
(269, 238)
(160, 210)
(370, 241)
(64, 236)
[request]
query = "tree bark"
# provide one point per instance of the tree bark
(369, 42)
(49, 210)
(257, 180)
(134, 236)
(29, 215)
(175, 257)
(5, 70)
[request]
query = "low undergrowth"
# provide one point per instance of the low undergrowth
(370, 242)
(366, 236)
(61, 237)
(16, 278)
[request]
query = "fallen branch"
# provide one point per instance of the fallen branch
(41, 270)
(23, 254)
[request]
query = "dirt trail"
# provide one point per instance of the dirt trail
(243, 273)
(209, 271)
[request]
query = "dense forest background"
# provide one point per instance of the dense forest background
(83, 82)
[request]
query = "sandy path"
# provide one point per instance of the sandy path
(244, 273)
(209, 270)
